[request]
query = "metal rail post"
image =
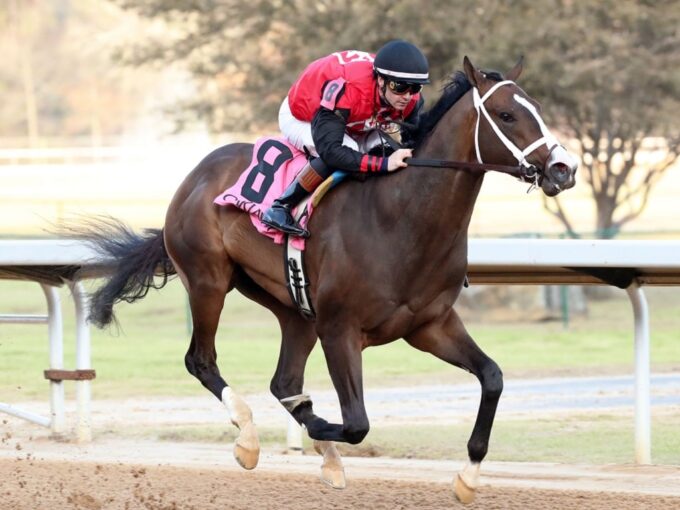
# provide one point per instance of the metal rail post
(56, 335)
(643, 436)
(83, 362)
(294, 436)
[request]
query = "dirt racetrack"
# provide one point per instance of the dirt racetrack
(36, 484)
(41, 474)
(129, 472)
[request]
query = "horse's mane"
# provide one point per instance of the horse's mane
(452, 91)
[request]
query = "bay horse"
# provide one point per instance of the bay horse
(386, 260)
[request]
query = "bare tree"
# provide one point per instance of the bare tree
(22, 21)
(616, 92)
(244, 55)
(606, 68)
(58, 79)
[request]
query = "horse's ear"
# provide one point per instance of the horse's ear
(514, 73)
(472, 73)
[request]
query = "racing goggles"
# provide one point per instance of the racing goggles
(400, 88)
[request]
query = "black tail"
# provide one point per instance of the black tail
(134, 261)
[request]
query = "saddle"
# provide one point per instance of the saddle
(274, 165)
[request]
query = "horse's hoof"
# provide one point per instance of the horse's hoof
(333, 477)
(247, 447)
(332, 472)
(464, 494)
(246, 458)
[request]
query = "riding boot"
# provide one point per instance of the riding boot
(279, 215)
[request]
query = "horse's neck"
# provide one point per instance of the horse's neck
(451, 194)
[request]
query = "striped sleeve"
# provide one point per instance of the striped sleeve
(373, 164)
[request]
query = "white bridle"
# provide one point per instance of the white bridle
(547, 139)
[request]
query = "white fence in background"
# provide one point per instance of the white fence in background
(40, 253)
(491, 261)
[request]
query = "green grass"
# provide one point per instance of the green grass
(576, 438)
(145, 357)
(579, 438)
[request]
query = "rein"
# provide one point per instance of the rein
(526, 174)
(515, 171)
(523, 173)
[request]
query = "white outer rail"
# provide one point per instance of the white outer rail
(547, 261)
(643, 426)
(499, 261)
(56, 350)
(54, 253)
(553, 253)
(56, 420)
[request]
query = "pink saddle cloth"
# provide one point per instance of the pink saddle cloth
(274, 165)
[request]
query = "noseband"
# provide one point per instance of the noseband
(529, 172)
(524, 170)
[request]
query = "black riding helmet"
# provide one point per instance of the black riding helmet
(401, 61)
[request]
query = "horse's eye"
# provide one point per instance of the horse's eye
(507, 117)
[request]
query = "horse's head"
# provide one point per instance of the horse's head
(509, 129)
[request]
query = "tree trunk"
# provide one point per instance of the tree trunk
(604, 226)
(24, 55)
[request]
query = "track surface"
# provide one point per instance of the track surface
(110, 473)
(37, 485)
(38, 473)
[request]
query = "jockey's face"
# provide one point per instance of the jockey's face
(396, 101)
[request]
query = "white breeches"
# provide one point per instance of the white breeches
(299, 133)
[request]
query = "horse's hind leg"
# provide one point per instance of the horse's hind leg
(207, 285)
(447, 339)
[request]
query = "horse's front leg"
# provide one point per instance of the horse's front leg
(298, 338)
(342, 349)
(343, 357)
(447, 339)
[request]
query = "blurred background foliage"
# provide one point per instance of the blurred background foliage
(607, 71)
(57, 79)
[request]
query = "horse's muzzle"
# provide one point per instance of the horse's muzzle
(559, 173)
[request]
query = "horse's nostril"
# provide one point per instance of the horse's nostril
(559, 172)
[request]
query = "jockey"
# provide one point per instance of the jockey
(333, 111)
